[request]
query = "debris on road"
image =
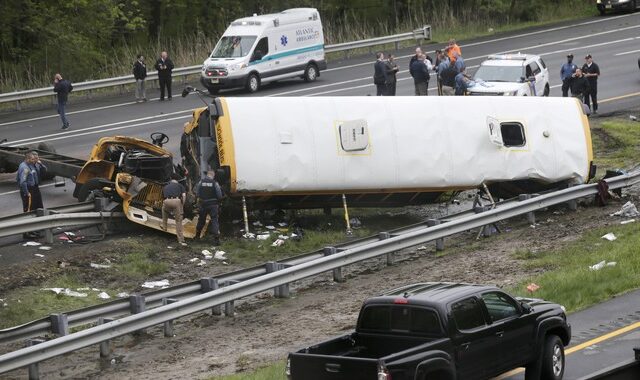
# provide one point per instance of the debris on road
(220, 255)
(156, 284)
(277, 243)
(610, 236)
(628, 210)
(194, 260)
(31, 244)
(249, 235)
(38, 255)
(603, 264)
(270, 227)
(122, 295)
(263, 236)
(44, 248)
(100, 266)
(65, 292)
(103, 296)
(532, 287)
(355, 223)
(627, 221)
(207, 254)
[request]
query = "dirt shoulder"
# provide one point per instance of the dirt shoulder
(265, 329)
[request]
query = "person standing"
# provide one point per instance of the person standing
(380, 75)
(463, 82)
(28, 177)
(448, 80)
(174, 197)
(453, 50)
(566, 71)
(140, 73)
(579, 85)
(164, 67)
(62, 87)
(420, 76)
(209, 194)
(392, 70)
(415, 57)
(592, 72)
(459, 63)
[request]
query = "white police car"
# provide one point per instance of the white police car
(511, 75)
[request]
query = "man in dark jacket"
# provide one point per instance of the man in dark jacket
(209, 195)
(164, 67)
(380, 75)
(392, 70)
(420, 75)
(448, 79)
(140, 73)
(62, 87)
(592, 72)
(579, 85)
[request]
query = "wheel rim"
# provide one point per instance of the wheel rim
(558, 360)
(311, 73)
(253, 83)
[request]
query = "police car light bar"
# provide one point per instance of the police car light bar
(518, 56)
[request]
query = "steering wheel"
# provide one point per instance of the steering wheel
(159, 138)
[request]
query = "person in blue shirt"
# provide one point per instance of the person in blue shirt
(28, 177)
(566, 71)
(459, 64)
(463, 82)
(209, 194)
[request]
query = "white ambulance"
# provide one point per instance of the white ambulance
(261, 49)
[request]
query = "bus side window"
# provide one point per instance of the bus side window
(513, 134)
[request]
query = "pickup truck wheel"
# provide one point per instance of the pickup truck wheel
(552, 359)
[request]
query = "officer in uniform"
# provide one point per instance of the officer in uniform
(591, 70)
(28, 177)
(174, 197)
(209, 193)
(566, 71)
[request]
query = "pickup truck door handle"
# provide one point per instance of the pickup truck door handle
(332, 367)
(499, 334)
(465, 346)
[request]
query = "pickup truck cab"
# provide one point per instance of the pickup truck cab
(442, 331)
(511, 75)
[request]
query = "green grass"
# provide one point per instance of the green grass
(141, 265)
(569, 281)
(29, 303)
(616, 144)
(270, 372)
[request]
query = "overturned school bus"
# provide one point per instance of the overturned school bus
(284, 153)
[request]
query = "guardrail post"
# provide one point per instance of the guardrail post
(48, 233)
(137, 305)
(34, 369)
(572, 204)
(105, 345)
(59, 324)
(439, 242)
(281, 291)
(531, 216)
(18, 106)
(390, 255)
(168, 325)
(488, 229)
(208, 284)
(337, 273)
(229, 307)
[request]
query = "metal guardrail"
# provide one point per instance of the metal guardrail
(46, 222)
(273, 280)
(18, 96)
(119, 307)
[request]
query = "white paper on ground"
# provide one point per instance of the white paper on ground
(610, 236)
(156, 284)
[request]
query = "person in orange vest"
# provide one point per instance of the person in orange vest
(452, 49)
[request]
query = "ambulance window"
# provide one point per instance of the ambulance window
(262, 49)
(512, 134)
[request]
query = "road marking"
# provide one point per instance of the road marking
(581, 346)
(93, 131)
(628, 52)
(619, 97)
(369, 63)
(16, 191)
(75, 132)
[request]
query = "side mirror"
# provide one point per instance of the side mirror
(522, 79)
(526, 308)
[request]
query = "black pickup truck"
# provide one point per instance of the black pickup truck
(437, 331)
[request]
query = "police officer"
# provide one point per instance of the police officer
(592, 72)
(566, 71)
(28, 177)
(209, 194)
(174, 197)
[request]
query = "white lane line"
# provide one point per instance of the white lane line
(471, 67)
(16, 191)
(72, 113)
(628, 52)
(75, 132)
(345, 67)
(106, 130)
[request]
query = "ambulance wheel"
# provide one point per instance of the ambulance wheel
(546, 90)
(253, 83)
(311, 73)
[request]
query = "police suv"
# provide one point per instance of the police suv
(511, 75)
